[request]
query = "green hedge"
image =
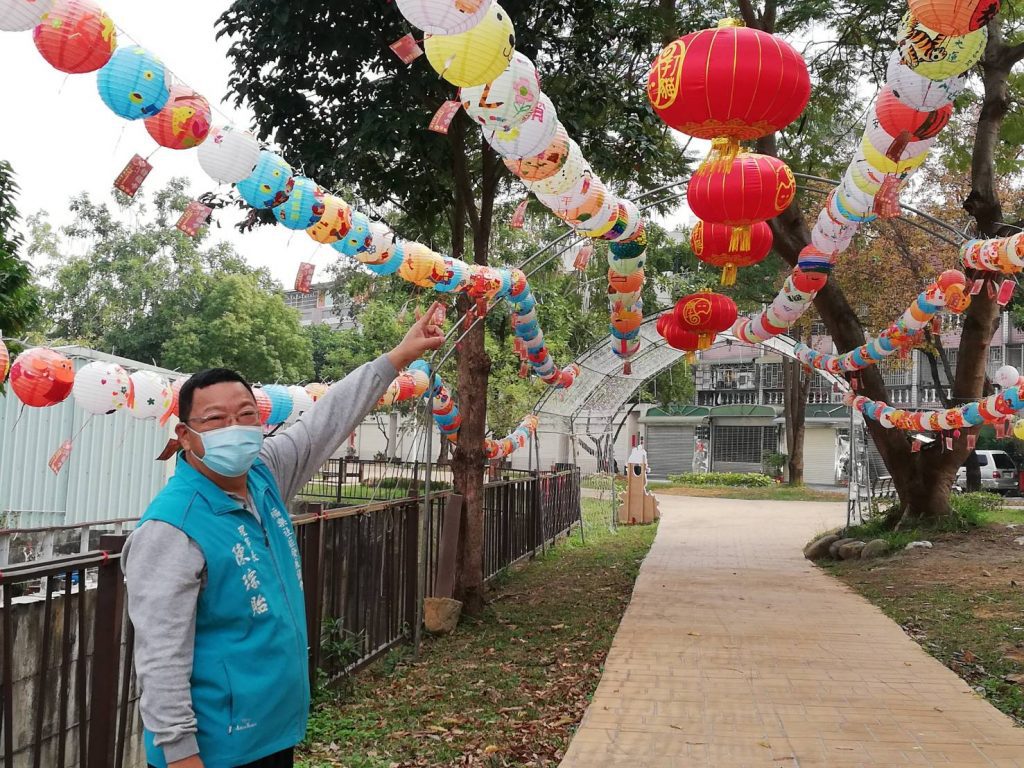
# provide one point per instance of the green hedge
(735, 479)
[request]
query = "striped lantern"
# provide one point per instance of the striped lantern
(954, 17)
(509, 100)
(134, 84)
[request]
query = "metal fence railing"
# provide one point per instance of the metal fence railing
(68, 696)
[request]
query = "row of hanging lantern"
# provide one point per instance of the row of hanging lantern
(471, 44)
(948, 292)
(729, 85)
(1001, 254)
(938, 42)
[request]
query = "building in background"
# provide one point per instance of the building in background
(319, 307)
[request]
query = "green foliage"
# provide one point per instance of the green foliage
(974, 509)
(970, 510)
(19, 299)
(737, 479)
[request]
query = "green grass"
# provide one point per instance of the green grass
(509, 687)
(774, 493)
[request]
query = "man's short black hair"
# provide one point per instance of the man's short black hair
(202, 380)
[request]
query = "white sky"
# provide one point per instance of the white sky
(62, 140)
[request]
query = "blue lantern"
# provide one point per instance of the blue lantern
(304, 206)
(457, 276)
(390, 266)
(134, 83)
(270, 184)
(359, 238)
(281, 403)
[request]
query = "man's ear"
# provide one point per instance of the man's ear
(187, 438)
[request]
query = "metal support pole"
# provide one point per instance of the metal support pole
(421, 560)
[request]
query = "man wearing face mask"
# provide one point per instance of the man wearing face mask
(214, 576)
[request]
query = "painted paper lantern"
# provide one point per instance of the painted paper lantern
(176, 386)
(625, 283)
(334, 223)
(316, 390)
(75, 36)
(270, 184)
(954, 17)
(22, 15)
(530, 137)
(134, 84)
(184, 122)
(731, 83)
(919, 92)
(358, 239)
(754, 188)
(304, 206)
(41, 377)
(455, 278)
(896, 147)
(301, 402)
(509, 100)
(566, 179)
(477, 56)
(444, 17)
(1007, 376)
(421, 265)
(881, 162)
(706, 314)
(572, 197)
(153, 395)
(602, 222)
(545, 164)
(281, 403)
(682, 339)
(937, 56)
(264, 405)
(710, 243)
(229, 155)
(101, 388)
(392, 264)
(896, 118)
(5, 361)
(382, 243)
(592, 205)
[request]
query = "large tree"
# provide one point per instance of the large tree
(323, 83)
(19, 300)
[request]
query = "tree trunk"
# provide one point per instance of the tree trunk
(797, 387)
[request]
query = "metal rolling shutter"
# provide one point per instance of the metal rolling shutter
(669, 450)
(820, 456)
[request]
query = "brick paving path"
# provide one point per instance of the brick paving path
(736, 652)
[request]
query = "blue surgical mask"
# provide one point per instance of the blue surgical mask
(231, 451)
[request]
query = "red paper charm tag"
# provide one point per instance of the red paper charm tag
(442, 119)
(131, 178)
(1006, 290)
(60, 456)
(194, 216)
(915, 446)
(407, 49)
(304, 278)
(583, 257)
(978, 285)
(519, 217)
(972, 441)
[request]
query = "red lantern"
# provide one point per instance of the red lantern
(754, 188)
(896, 118)
(710, 243)
(184, 123)
(664, 321)
(41, 377)
(263, 404)
(809, 281)
(729, 84)
(76, 37)
(706, 314)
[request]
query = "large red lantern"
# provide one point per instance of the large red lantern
(711, 244)
(184, 122)
(706, 314)
(76, 37)
(729, 84)
(754, 188)
(41, 377)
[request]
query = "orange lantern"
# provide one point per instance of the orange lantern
(625, 283)
(706, 314)
(754, 188)
(184, 122)
(626, 321)
(710, 243)
(954, 17)
(728, 84)
(544, 165)
(41, 377)
(76, 37)
(5, 361)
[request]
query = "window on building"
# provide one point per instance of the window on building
(1015, 355)
(771, 376)
(773, 398)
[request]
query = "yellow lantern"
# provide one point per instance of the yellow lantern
(936, 56)
(421, 265)
(1018, 429)
(880, 162)
(475, 57)
(334, 224)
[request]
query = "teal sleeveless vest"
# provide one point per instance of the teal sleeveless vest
(250, 682)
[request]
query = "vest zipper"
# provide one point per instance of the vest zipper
(284, 588)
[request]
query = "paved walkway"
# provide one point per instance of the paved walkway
(737, 653)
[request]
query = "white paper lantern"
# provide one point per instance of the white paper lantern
(153, 396)
(102, 388)
(531, 137)
(854, 199)
(572, 197)
(382, 244)
(229, 155)
(1007, 376)
(508, 101)
(917, 91)
(567, 177)
(302, 403)
(882, 141)
(444, 17)
(22, 15)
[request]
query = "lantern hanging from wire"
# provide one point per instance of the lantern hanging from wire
(334, 223)
(22, 15)
(954, 17)
(935, 55)
(134, 84)
(270, 184)
(358, 239)
(530, 137)
(184, 122)
(75, 36)
(917, 91)
(229, 155)
(444, 17)
(304, 206)
(707, 315)
(153, 396)
(102, 388)
(710, 243)
(507, 101)
(477, 56)
(41, 377)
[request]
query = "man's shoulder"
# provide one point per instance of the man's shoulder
(173, 503)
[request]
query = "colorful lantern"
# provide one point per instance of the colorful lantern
(22, 15)
(41, 377)
(936, 56)
(304, 206)
(101, 388)
(530, 137)
(917, 91)
(76, 37)
(477, 56)
(334, 223)
(545, 164)
(5, 361)
(896, 118)
(358, 239)
(509, 100)
(568, 177)
(710, 243)
(754, 188)
(728, 84)
(270, 184)
(134, 84)
(264, 405)
(281, 403)
(954, 17)
(444, 17)
(301, 402)
(184, 122)
(382, 243)
(706, 314)
(153, 395)
(316, 390)
(421, 265)
(176, 386)
(229, 155)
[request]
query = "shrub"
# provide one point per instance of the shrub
(735, 479)
(972, 509)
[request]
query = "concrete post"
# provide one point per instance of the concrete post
(392, 435)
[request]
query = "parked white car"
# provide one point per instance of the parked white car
(998, 472)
